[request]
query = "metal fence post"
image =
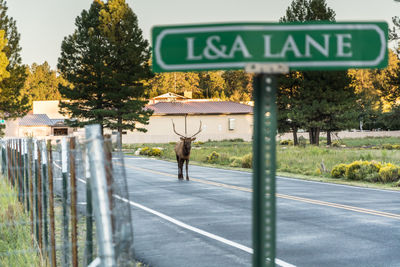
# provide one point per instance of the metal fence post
(100, 196)
(64, 171)
(39, 192)
(89, 213)
(45, 198)
(30, 178)
(51, 204)
(74, 214)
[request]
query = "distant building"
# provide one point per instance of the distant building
(220, 120)
(43, 121)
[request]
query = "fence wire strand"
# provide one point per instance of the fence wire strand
(38, 218)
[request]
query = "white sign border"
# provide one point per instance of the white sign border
(309, 27)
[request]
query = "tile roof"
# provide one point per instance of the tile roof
(36, 120)
(200, 107)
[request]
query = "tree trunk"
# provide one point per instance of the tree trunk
(120, 133)
(295, 140)
(317, 131)
(328, 138)
(312, 136)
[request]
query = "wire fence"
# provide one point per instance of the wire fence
(48, 191)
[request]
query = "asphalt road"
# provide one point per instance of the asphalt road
(207, 221)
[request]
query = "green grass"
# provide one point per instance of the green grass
(16, 247)
(309, 162)
(370, 141)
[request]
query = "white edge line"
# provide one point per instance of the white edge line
(199, 231)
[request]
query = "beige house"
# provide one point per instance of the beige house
(220, 120)
(43, 121)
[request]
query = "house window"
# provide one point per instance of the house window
(232, 124)
(60, 131)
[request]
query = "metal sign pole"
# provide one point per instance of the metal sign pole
(264, 162)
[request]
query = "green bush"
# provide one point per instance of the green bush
(336, 144)
(389, 173)
(390, 147)
(144, 151)
(155, 152)
(235, 161)
(247, 161)
(363, 170)
(198, 143)
(287, 142)
(339, 171)
(213, 157)
(387, 146)
(302, 141)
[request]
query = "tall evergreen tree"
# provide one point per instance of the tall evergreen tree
(106, 60)
(239, 85)
(42, 83)
(12, 101)
(317, 105)
(211, 83)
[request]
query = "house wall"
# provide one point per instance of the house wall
(48, 107)
(12, 128)
(36, 131)
(215, 127)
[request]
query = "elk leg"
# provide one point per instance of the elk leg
(180, 175)
(187, 173)
(179, 167)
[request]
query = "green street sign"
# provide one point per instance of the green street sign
(302, 46)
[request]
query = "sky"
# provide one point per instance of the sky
(43, 24)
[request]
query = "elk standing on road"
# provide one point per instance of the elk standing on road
(182, 151)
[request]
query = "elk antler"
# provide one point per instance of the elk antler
(173, 125)
(197, 131)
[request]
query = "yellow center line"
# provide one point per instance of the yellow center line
(300, 199)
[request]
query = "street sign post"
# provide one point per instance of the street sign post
(267, 49)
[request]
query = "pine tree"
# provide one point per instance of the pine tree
(12, 101)
(106, 60)
(42, 83)
(317, 105)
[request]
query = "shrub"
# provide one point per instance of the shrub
(144, 150)
(387, 146)
(335, 144)
(247, 161)
(363, 170)
(213, 157)
(235, 161)
(198, 143)
(155, 152)
(339, 171)
(234, 140)
(287, 142)
(302, 141)
(389, 173)
(397, 147)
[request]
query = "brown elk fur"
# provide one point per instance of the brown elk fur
(182, 151)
